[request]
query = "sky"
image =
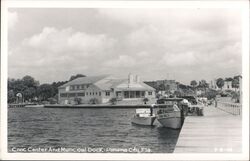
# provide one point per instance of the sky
(154, 43)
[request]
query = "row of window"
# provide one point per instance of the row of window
(79, 87)
(82, 94)
(135, 94)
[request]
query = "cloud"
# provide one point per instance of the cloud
(123, 61)
(60, 50)
(150, 42)
(67, 40)
(12, 19)
(183, 59)
(199, 18)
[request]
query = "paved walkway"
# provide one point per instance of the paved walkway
(215, 132)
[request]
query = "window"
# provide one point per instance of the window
(82, 86)
(149, 93)
(96, 93)
(137, 94)
(126, 94)
(89, 93)
(63, 95)
(100, 93)
(72, 94)
(131, 94)
(81, 94)
(107, 93)
(86, 93)
(77, 87)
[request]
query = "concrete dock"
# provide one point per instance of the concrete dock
(215, 132)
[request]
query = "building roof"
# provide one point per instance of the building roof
(140, 86)
(84, 80)
(106, 82)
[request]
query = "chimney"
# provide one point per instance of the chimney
(130, 78)
(137, 79)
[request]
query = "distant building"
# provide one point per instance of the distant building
(228, 85)
(103, 88)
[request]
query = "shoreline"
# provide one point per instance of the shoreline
(97, 106)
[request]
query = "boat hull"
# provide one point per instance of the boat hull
(147, 121)
(171, 120)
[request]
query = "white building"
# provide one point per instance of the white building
(103, 88)
(227, 85)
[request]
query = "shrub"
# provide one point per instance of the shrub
(77, 100)
(52, 100)
(211, 94)
(145, 100)
(236, 97)
(113, 101)
(93, 101)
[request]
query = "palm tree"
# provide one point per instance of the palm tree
(204, 85)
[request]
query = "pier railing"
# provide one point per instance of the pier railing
(232, 108)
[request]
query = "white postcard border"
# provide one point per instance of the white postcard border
(243, 5)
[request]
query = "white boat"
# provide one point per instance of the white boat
(143, 117)
(169, 115)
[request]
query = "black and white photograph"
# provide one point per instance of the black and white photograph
(125, 80)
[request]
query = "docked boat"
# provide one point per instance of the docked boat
(143, 117)
(168, 113)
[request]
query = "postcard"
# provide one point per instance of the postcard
(125, 80)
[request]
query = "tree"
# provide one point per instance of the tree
(193, 83)
(203, 84)
(29, 93)
(162, 87)
(30, 81)
(55, 86)
(27, 86)
(182, 86)
(76, 76)
(229, 79)
(45, 91)
(220, 83)
(11, 96)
